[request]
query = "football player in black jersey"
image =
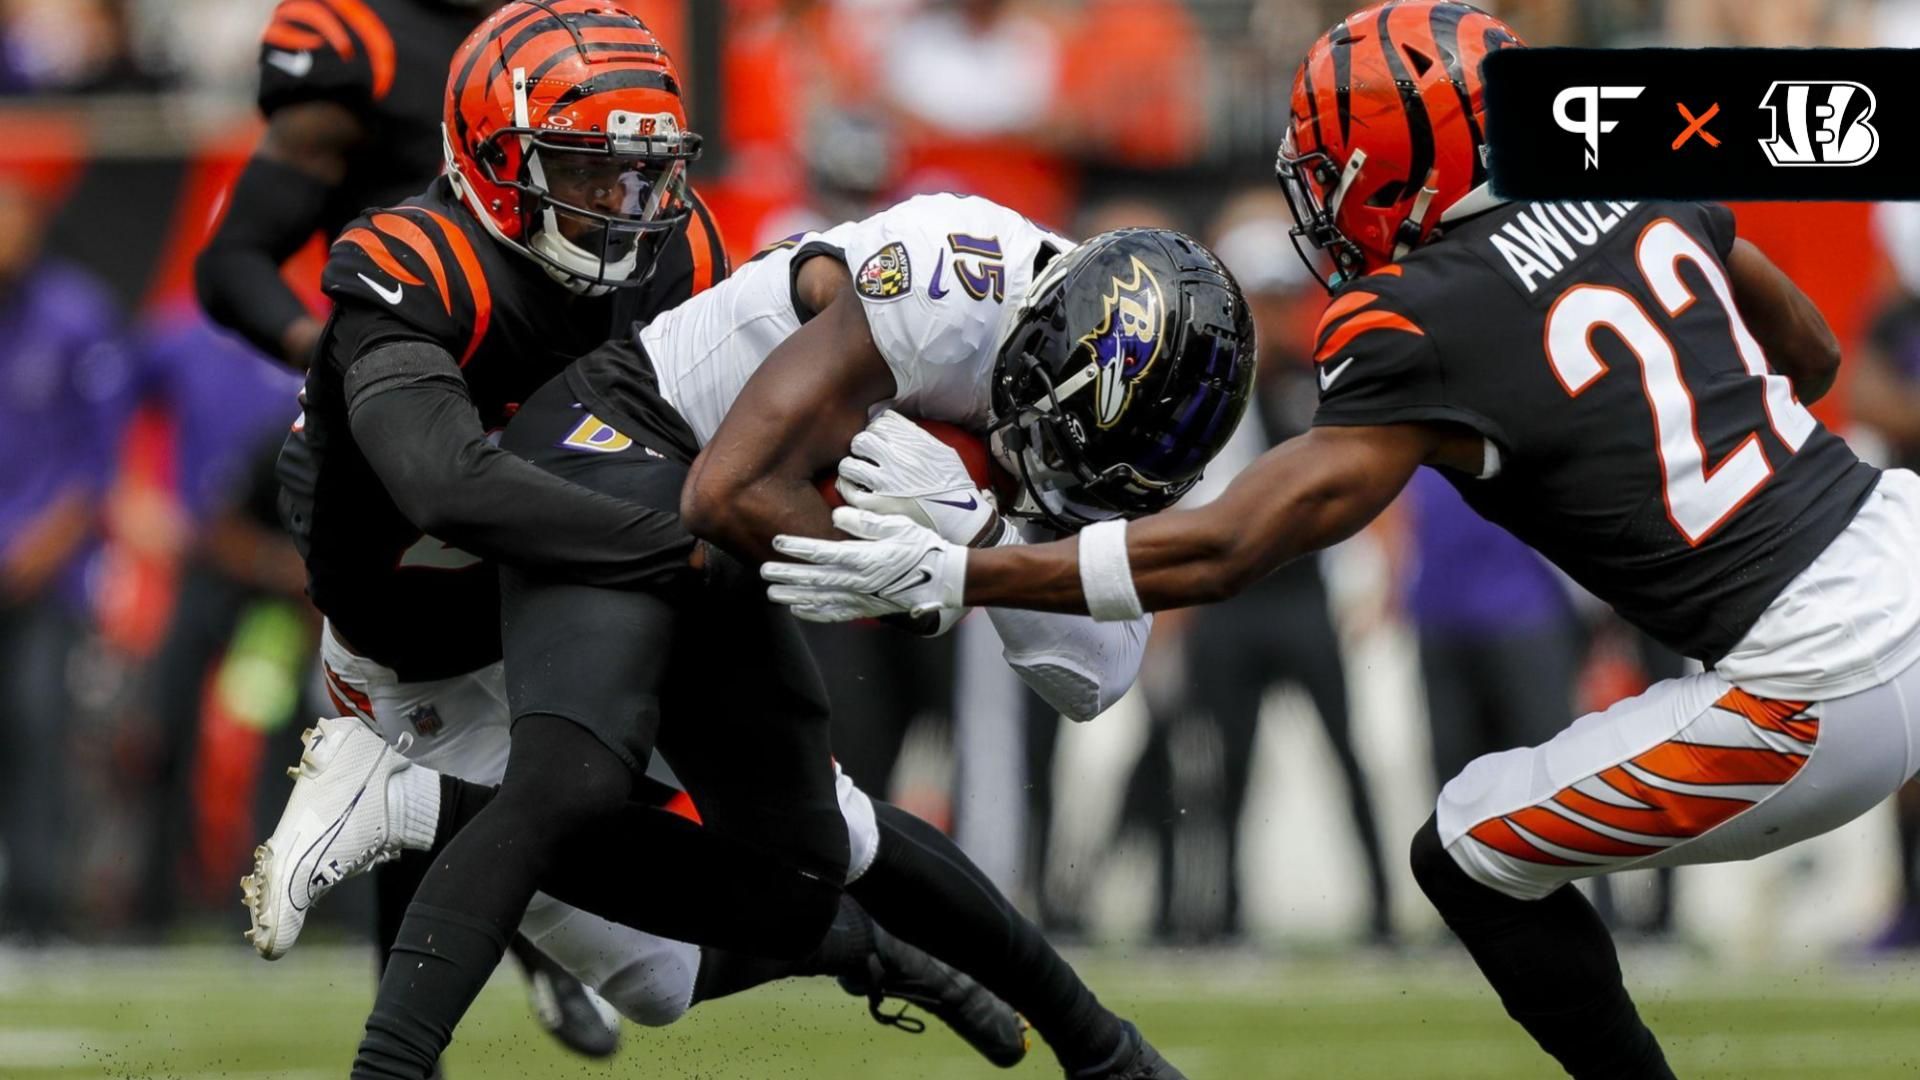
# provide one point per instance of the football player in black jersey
(352, 94)
(567, 193)
(1619, 384)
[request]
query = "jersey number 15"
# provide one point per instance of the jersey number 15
(1700, 497)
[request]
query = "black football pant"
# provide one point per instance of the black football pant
(590, 673)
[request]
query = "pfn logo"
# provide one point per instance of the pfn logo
(1588, 124)
(1824, 123)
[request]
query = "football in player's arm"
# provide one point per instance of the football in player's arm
(936, 348)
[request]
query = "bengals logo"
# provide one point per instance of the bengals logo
(1127, 341)
(1820, 123)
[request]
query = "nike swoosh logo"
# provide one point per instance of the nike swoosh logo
(391, 297)
(971, 503)
(901, 584)
(310, 859)
(1327, 377)
(933, 285)
(297, 65)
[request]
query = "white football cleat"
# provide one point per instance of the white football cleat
(338, 822)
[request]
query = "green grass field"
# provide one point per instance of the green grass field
(187, 1014)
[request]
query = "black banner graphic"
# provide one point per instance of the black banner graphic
(1830, 124)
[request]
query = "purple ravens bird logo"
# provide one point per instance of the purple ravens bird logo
(1127, 342)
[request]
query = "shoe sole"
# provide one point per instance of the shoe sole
(253, 892)
(260, 933)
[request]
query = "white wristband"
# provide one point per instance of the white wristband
(1105, 575)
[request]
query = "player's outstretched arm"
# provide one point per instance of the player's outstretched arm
(275, 208)
(1795, 336)
(1303, 495)
(793, 420)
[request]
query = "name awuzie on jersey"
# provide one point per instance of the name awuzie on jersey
(1545, 238)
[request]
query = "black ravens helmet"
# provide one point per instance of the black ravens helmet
(1126, 369)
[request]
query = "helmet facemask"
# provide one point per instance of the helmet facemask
(596, 207)
(1044, 446)
(593, 217)
(1303, 178)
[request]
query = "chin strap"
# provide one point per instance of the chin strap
(1415, 227)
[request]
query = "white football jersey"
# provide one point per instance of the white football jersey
(939, 276)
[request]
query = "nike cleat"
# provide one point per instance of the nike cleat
(896, 969)
(338, 822)
(567, 1008)
(1135, 1060)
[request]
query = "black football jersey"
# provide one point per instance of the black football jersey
(386, 60)
(426, 270)
(1644, 445)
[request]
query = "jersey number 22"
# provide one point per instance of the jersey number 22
(1700, 497)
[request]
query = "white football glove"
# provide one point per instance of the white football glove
(894, 567)
(896, 467)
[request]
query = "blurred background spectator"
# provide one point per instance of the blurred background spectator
(1192, 780)
(66, 384)
(1500, 646)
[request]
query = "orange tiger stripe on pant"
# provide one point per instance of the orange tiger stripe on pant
(1567, 829)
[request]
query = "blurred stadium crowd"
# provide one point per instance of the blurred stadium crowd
(156, 647)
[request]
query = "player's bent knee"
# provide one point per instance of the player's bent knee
(803, 921)
(1436, 871)
(560, 776)
(653, 992)
(1455, 893)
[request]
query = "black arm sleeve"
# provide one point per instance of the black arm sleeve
(275, 209)
(412, 419)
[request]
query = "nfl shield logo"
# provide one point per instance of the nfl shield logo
(425, 719)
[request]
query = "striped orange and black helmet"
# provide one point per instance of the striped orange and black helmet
(1388, 128)
(566, 135)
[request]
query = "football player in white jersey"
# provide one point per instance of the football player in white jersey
(722, 414)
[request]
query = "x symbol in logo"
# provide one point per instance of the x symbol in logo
(1697, 125)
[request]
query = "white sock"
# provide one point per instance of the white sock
(413, 806)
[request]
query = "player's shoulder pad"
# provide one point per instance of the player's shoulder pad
(1371, 352)
(326, 50)
(1368, 312)
(706, 246)
(418, 265)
